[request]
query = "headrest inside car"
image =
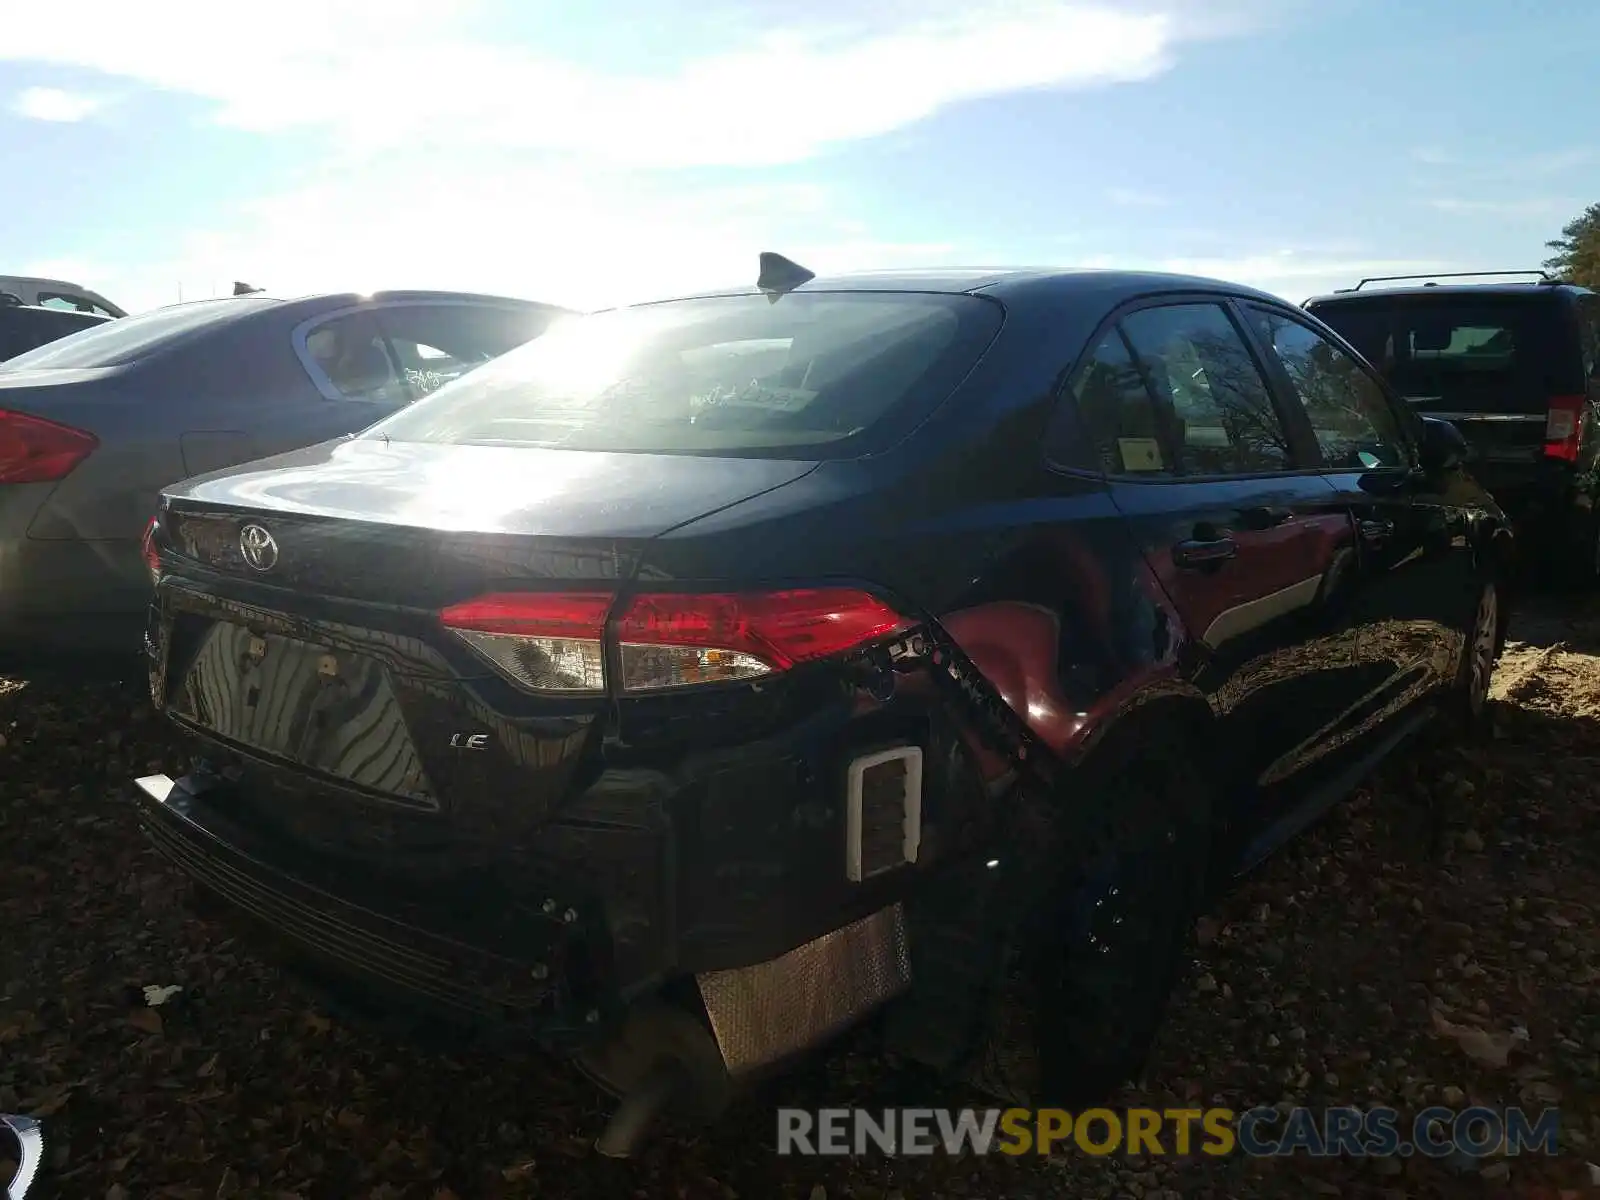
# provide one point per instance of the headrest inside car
(1432, 336)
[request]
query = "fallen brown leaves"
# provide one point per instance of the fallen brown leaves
(1433, 942)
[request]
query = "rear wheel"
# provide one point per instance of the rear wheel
(1470, 698)
(1121, 922)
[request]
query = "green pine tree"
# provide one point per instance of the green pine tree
(1577, 257)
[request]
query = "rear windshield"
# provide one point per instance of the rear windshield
(128, 339)
(1483, 353)
(22, 329)
(823, 374)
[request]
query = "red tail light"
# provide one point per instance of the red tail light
(556, 642)
(679, 640)
(34, 450)
(1563, 427)
(546, 642)
(152, 556)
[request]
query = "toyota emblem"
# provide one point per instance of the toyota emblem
(260, 548)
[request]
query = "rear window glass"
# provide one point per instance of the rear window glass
(128, 339)
(820, 374)
(1472, 349)
(22, 329)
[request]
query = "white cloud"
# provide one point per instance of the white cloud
(54, 104)
(399, 72)
(586, 239)
(1540, 208)
(469, 147)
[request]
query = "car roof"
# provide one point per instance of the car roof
(1526, 290)
(1004, 283)
(317, 302)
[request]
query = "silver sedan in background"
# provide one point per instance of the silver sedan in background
(94, 425)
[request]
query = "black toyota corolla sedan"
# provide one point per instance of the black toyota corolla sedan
(707, 675)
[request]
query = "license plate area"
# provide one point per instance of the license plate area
(327, 710)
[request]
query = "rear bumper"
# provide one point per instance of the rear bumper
(527, 989)
(531, 976)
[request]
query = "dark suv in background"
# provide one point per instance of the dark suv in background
(25, 327)
(1514, 366)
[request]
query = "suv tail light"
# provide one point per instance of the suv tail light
(34, 450)
(556, 642)
(548, 642)
(147, 548)
(1563, 427)
(670, 641)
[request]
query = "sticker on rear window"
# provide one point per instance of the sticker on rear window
(756, 395)
(1140, 454)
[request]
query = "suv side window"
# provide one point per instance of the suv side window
(1202, 372)
(349, 352)
(1354, 424)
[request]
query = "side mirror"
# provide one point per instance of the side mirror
(1443, 448)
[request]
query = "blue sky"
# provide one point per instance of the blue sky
(616, 151)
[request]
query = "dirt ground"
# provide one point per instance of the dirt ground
(1434, 941)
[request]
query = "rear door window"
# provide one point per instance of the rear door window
(1202, 372)
(1355, 426)
(1119, 414)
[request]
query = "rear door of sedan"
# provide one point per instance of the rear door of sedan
(1226, 501)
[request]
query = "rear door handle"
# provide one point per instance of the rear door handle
(1266, 517)
(1198, 552)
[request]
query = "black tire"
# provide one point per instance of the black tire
(1468, 701)
(1118, 925)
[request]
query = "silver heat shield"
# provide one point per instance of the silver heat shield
(764, 1013)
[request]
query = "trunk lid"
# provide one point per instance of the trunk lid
(326, 668)
(425, 525)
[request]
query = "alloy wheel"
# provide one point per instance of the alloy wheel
(1121, 915)
(1485, 635)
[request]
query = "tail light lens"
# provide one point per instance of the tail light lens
(546, 642)
(670, 641)
(1563, 427)
(34, 450)
(556, 642)
(147, 548)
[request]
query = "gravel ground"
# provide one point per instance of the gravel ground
(1386, 958)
